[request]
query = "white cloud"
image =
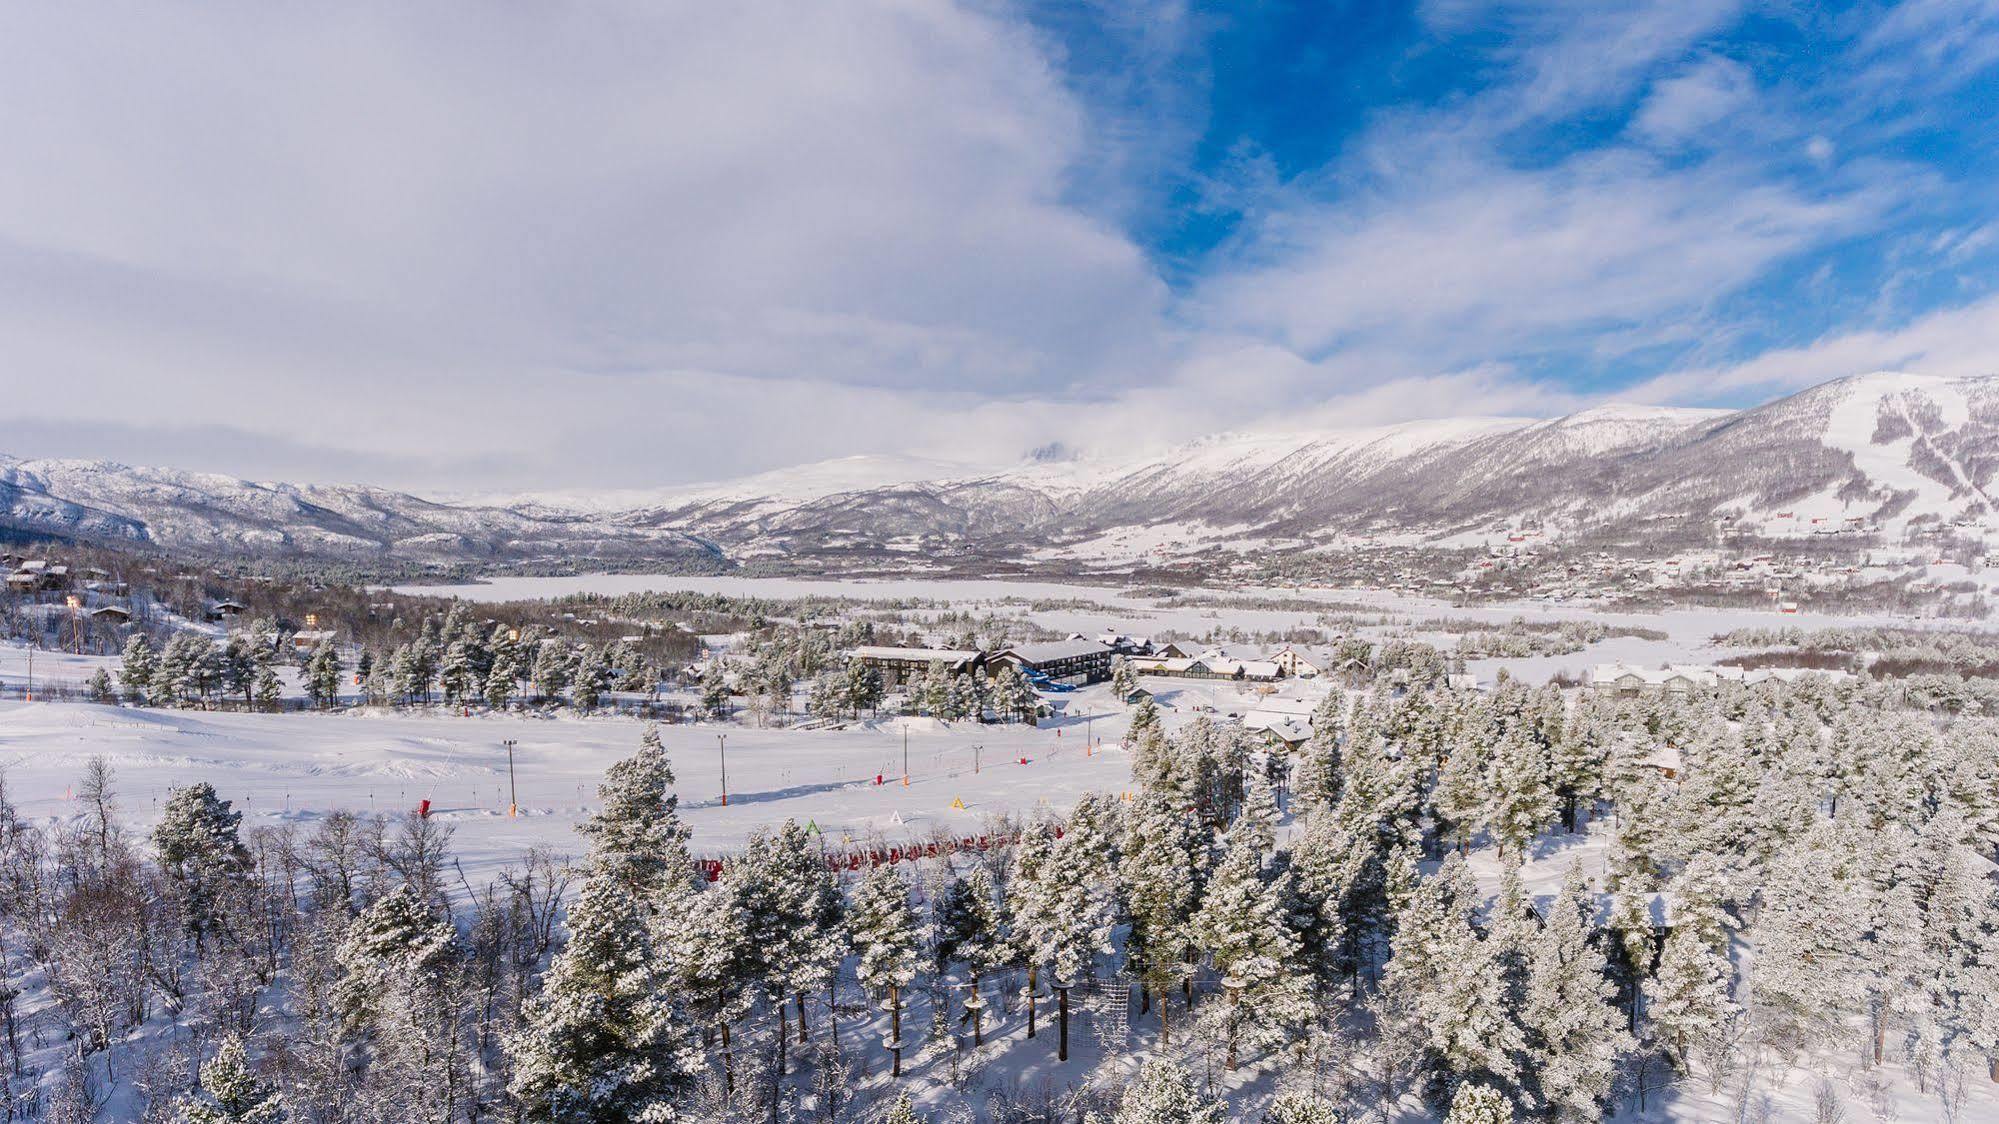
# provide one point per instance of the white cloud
(329, 219)
(1955, 341)
(1684, 106)
(1463, 259)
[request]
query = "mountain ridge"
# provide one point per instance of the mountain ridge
(1883, 451)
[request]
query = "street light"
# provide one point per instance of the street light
(513, 794)
(722, 748)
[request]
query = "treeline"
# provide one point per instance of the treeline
(1793, 872)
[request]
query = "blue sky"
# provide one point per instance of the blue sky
(631, 243)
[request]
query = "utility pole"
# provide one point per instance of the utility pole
(975, 757)
(513, 794)
(905, 755)
(722, 742)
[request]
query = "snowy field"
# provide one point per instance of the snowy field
(294, 768)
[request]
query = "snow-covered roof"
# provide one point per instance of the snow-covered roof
(1051, 650)
(927, 655)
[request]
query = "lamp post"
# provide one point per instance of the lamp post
(722, 748)
(905, 755)
(513, 794)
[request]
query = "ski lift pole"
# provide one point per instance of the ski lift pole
(513, 793)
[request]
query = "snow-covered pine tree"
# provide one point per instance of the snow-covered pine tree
(636, 837)
(974, 934)
(1479, 1104)
(201, 852)
(1244, 925)
(1164, 869)
(593, 678)
(1320, 774)
(1688, 1000)
(137, 668)
(322, 674)
(1300, 1108)
(99, 689)
(604, 1042)
(1522, 799)
(265, 690)
(1144, 718)
(1807, 936)
(889, 939)
(455, 676)
(397, 943)
(902, 1112)
(794, 913)
(1124, 680)
(707, 938)
(554, 663)
(1065, 910)
(864, 687)
(1445, 978)
(1575, 1034)
(231, 1092)
(1165, 1094)
(1026, 907)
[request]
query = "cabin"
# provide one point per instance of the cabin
(1295, 665)
(309, 639)
(112, 614)
(38, 575)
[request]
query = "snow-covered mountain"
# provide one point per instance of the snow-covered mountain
(1870, 452)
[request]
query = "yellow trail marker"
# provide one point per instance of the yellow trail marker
(958, 802)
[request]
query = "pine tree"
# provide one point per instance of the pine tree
(1165, 1094)
(553, 665)
(708, 939)
(1064, 911)
(199, 848)
(391, 953)
(593, 678)
(794, 916)
(889, 940)
(1479, 1104)
(322, 675)
(1577, 1038)
(455, 674)
(1300, 1108)
(1144, 720)
(1446, 978)
(1244, 925)
(636, 837)
(231, 1092)
(715, 694)
(1523, 801)
(1124, 680)
(902, 1112)
(138, 667)
(505, 669)
(265, 690)
(603, 1043)
(99, 689)
(1164, 869)
(1320, 773)
(974, 935)
(1807, 938)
